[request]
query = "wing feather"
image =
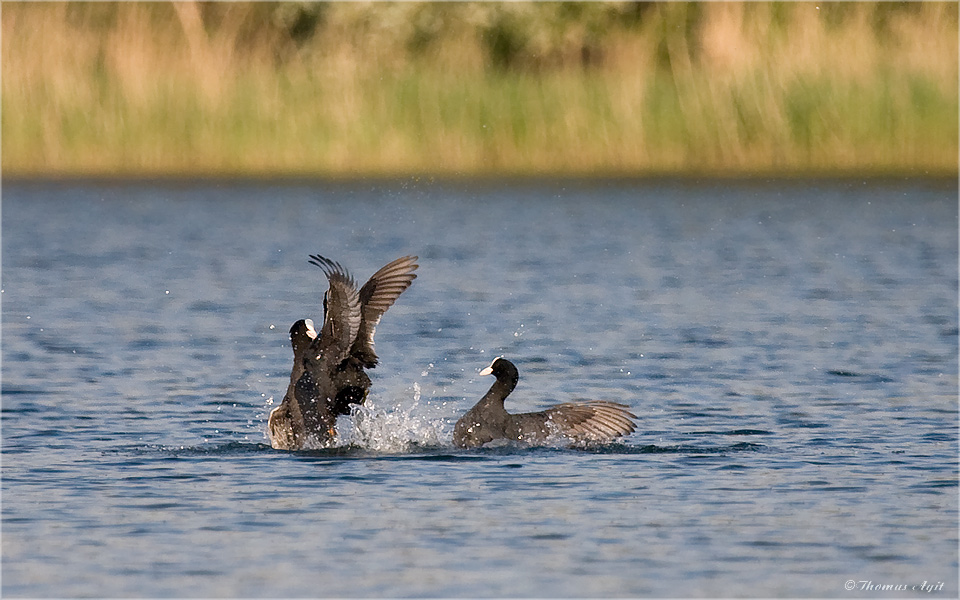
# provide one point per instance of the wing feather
(341, 308)
(594, 420)
(376, 296)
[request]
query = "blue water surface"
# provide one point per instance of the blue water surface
(790, 348)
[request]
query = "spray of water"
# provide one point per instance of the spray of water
(398, 428)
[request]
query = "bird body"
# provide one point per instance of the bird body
(593, 421)
(286, 425)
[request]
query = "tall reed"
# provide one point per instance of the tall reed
(525, 88)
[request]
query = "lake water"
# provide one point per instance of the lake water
(790, 348)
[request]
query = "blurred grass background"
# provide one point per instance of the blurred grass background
(348, 89)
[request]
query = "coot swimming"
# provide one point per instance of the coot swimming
(593, 421)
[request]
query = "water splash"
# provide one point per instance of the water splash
(396, 429)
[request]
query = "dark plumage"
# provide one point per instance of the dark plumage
(376, 296)
(350, 321)
(329, 374)
(286, 426)
(578, 422)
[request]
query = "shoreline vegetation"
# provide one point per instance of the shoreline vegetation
(343, 90)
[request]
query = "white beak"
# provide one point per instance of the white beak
(487, 371)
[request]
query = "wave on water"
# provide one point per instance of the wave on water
(677, 449)
(407, 428)
(422, 438)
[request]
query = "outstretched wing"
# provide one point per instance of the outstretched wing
(376, 296)
(591, 421)
(341, 309)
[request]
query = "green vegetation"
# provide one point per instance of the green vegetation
(464, 89)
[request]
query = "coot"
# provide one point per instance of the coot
(594, 421)
(285, 424)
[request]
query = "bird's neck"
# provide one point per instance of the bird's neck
(499, 391)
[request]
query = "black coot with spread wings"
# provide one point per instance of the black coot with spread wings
(594, 421)
(329, 375)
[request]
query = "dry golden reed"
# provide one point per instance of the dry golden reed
(345, 89)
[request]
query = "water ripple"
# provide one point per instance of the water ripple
(790, 348)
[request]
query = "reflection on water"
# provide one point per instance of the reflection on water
(790, 348)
